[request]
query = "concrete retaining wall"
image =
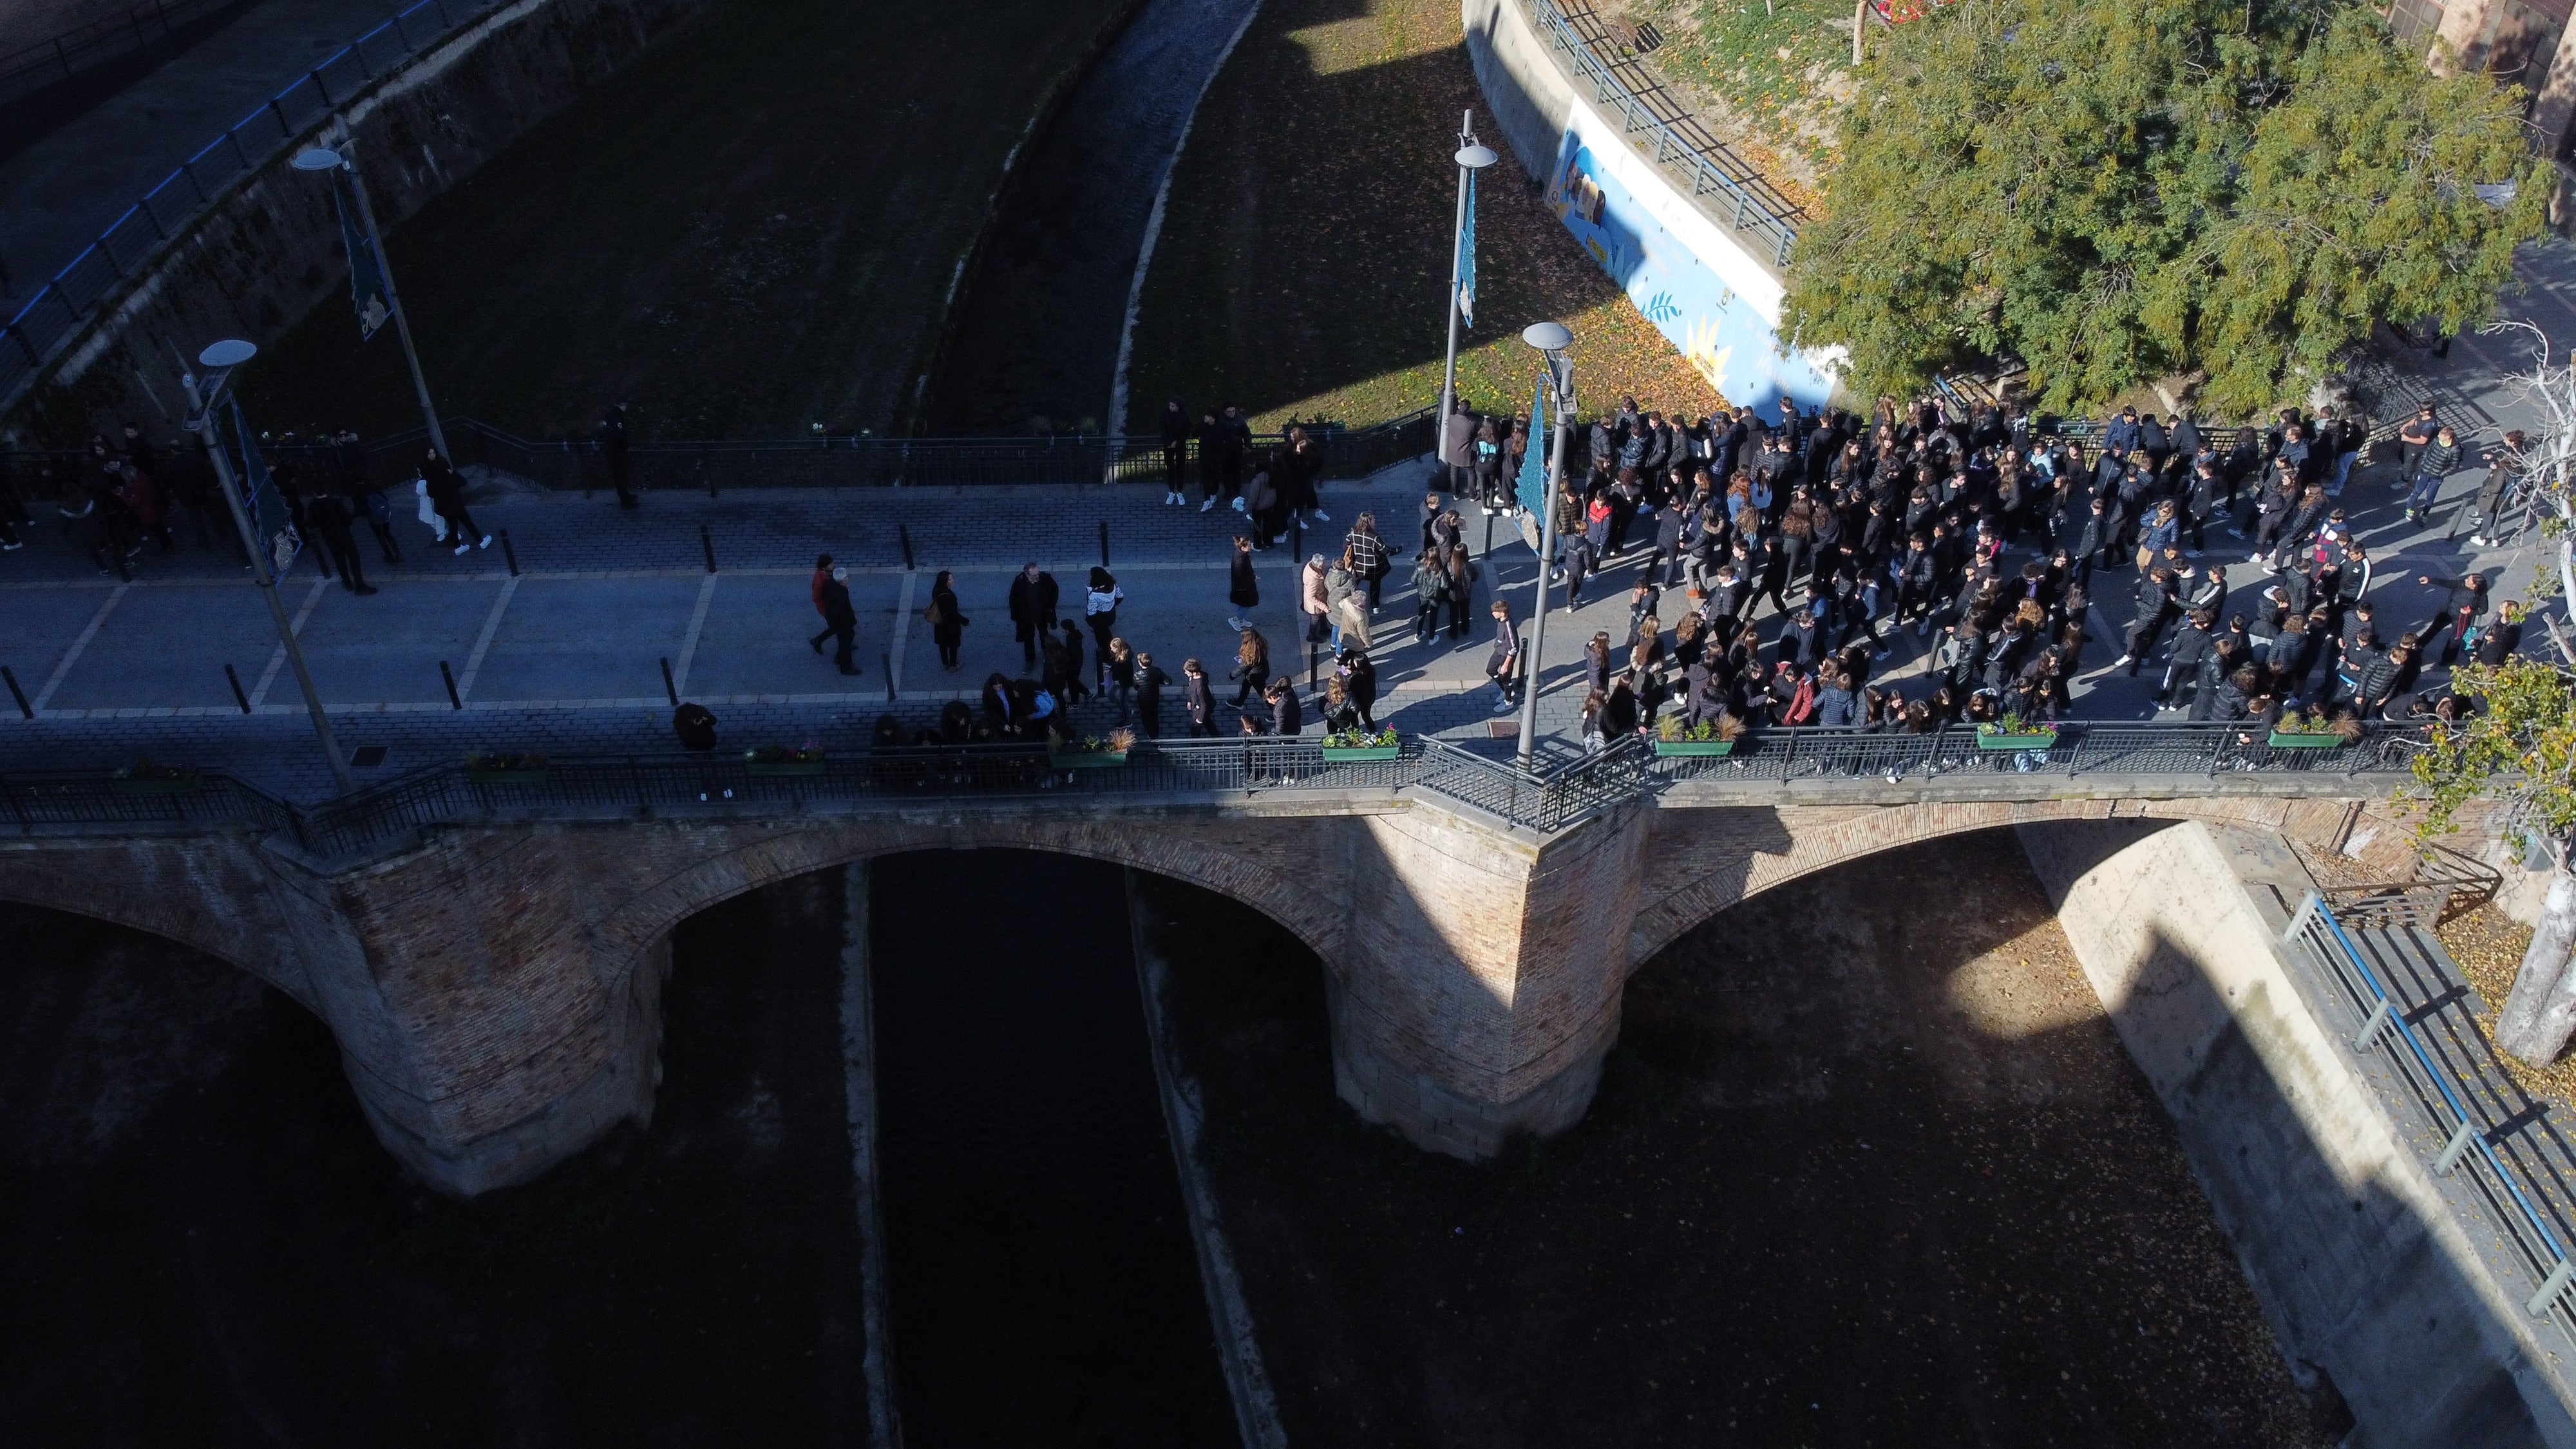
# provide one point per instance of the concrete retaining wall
(268, 249)
(2369, 1273)
(1715, 297)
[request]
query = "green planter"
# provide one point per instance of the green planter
(507, 777)
(2028, 740)
(1694, 747)
(1362, 752)
(783, 768)
(162, 785)
(2281, 741)
(1088, 760)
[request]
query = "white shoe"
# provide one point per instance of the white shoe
(1238, 504)
(2120, 663)
(1236, 623)
(2476, 540)
(2253, 558)
(464, 548)
(1204, 507)
(486, 543)
(1322, 517)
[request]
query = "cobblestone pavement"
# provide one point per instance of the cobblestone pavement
(567, 655)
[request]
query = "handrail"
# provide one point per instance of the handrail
(1709, 165)
(67, 53)
(2468, 1138)
(1548, 800)
(43, 329)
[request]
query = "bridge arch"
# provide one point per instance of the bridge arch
(1699, 861)
(201, 894)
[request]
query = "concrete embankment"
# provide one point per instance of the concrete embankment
(2368, 1267)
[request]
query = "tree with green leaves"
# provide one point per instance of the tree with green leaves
(2117, 190)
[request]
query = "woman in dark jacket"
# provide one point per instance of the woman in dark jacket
(1244, 590)
(1251, 665)
(1359, 679)
(1198, 698)
(947, 622)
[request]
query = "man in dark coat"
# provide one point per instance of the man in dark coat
(612, 446)
(842, 619)
(1033, 601)
(330, 517)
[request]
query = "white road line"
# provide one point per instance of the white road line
(902, 632)
(689, 645)
(72, 655)
(277, 656)
(483, 641)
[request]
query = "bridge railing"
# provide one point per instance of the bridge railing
(2506, 1142)
(1548, 799)
(2076, 748)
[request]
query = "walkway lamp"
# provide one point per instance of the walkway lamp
(323, 160)
(1471, 159)
(1551, 339)
(205, 395)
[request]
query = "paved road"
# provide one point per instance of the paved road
(59, 194)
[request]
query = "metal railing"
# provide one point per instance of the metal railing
(714, 466)
(57, 58)
(45, 326)
(1562, 794)
(2394, 981)
(2076, 748)
(1642, 103)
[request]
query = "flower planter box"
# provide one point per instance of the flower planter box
(1088, 760)
(534, 776)
(1362, 752)
(782, 768)
(2028, 740)
(162, 785)
(2282, 741)
(1694, 747)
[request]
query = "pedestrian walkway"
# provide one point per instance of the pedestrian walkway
(60, 193)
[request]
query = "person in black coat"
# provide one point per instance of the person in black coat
(447, 495)
(841, 618)
(1359, 681)
(1150, 681)
(1243, 586)
(1176, 450)
(1033, 603)
(1198, 699)
(947, 621)
(612, 446)
(329, 515)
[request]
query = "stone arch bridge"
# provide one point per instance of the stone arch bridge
(490, 955)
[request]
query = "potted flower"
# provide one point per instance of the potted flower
(2299, 730)
(1708, 737)
(1091, 752)
(505, 767)
(804, 759)
(1361, 745)
(2012, 732)
(146, 778)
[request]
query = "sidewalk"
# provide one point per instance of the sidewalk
(59, 194)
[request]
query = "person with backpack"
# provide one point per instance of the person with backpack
(947, 621)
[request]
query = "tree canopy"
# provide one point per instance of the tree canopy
(2117, 190)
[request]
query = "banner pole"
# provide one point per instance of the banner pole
(393, 294)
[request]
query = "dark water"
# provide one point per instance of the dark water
(1044, 1288)
(201, 1242)
(1037, 327)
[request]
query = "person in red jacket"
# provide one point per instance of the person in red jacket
(822, 576)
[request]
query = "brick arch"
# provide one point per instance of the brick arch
(198, 893)
(1250, 868)
(1685, 885)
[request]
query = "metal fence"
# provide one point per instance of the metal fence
(1759, 211)
(2391, 977)
(715, 466)
(1553, 798)
(57, 58)
(50, 319)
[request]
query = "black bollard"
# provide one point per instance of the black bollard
(905, 533)
(707, 542)
(445, 673)
(886, 662)
(511, 555)
(668, 687)
(1104, 543)
(20, 695)
(239, 697)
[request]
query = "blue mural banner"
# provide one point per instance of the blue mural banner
(366, 266)
(271, 521)
(1466, 278)
(1531, 489)
(1688, 277)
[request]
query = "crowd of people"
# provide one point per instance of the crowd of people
(1781, 559)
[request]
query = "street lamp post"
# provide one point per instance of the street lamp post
(219, 361)
(1471, 158)
(320, 159)
(1551, 339)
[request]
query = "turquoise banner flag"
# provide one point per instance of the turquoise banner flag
(1532, 487)
(271, 521)
(366, 267)
(1467, 259)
